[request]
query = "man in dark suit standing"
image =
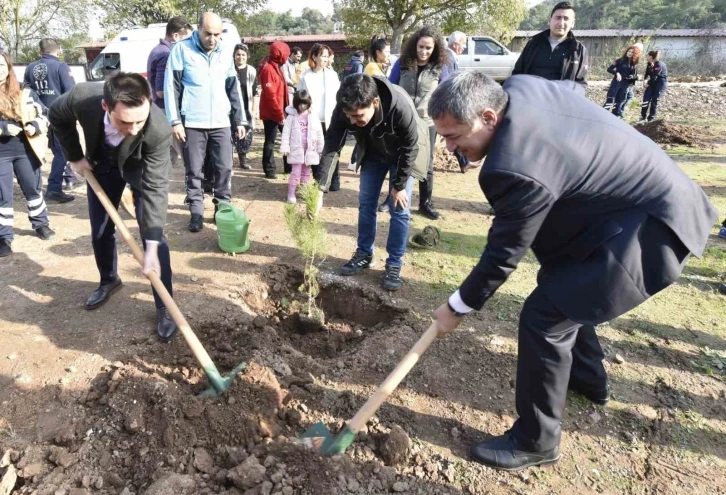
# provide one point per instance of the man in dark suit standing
(610, 225)
(127, 140)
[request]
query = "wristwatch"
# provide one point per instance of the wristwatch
(456, 313)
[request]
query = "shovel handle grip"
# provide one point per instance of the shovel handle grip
(393, 380)
(196, 346)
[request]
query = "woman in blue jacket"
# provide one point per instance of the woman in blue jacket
(625, 70)
(656, 82)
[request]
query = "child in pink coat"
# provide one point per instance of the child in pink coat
(302, 141)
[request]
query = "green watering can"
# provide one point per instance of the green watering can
(232, 228)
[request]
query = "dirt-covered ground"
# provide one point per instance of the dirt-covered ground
(92, 403)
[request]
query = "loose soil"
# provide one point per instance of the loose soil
(668, 133)
(92, 403)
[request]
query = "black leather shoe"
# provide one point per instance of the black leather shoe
(335, 186)
(271, 176)
(58, 197)
(196, 223)
(505, 453)
(383, 207)
(597, 396)
(45, 232)
(100, 296)
(5, 248)
(427, 209)
(165, 326)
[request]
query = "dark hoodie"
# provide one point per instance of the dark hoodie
(274, 98)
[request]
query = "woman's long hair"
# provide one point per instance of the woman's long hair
(636, 54)
(10, 93)
(439, 56)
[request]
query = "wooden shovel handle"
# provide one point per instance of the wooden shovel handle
(393, 379)
(194, 344)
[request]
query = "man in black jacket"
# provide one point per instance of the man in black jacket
(610, 225)
(50, 78)
(555, 54)
(386, 132)
(127, 140)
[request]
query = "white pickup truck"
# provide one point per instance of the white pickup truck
(489, 56)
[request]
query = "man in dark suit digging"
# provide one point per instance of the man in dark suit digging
(611, 226)
(127, 140)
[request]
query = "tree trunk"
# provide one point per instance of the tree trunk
(397, 38)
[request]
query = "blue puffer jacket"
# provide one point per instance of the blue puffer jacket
(203, 86)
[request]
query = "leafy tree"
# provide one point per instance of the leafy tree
(397, 18)
(269, 23)
(496, 18)
(24, 22)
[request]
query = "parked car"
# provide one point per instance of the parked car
(129, 51)
(484, 53)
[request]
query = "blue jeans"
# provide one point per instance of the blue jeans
(372, 176)
(59, 168)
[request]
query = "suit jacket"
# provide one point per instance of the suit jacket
(143, 160)
(568, 179)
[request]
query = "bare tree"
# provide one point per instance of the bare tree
(24, 22)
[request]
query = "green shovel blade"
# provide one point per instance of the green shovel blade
(319, 437)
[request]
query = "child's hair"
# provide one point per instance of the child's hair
(655, 54)
(302, 97)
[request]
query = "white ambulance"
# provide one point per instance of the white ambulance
(129, 51)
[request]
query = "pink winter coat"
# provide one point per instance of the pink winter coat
(292, 139)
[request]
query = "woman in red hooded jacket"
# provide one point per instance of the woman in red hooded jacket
(273, 101)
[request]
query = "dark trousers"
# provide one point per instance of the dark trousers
(552, 351)
(31, 183)
(269, 166)
(60, 170)
(426, 187)
(103, 230)
(218, 144)
(335, 178)
(650, 101)
(625, 94)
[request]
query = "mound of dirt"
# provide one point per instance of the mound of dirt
(445, 161)
(667, 133)
(140, 429)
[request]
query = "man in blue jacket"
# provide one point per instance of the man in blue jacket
(201, 92)
(50, 78)
(610, 226)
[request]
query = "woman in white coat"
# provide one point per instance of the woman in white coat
(322, 84)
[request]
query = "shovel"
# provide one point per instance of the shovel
(319, 436)
(218, 383)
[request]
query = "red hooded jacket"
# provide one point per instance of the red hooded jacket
(274, 98)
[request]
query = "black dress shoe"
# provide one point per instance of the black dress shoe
(5, 248)
(271, 176)
(383, 207)
(45, 232)
(505, 453)
(427, 209)
(100, 296)
(58, 197)
(165, 326)
(597, 396)
(196, 223)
